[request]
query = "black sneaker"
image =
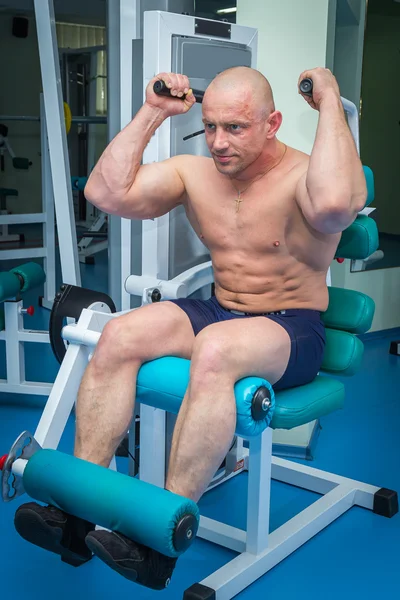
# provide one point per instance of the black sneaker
(132, 560)
(55, 531)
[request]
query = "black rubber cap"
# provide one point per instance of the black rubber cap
(185, 532)
(261, 403)
(386, 503)
(199, 592)
(394, 348)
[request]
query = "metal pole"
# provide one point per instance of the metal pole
(88, 120)
(57, 139)
(129, 30)
(113, 127)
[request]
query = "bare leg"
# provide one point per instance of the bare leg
(222, 354)
(107, 393)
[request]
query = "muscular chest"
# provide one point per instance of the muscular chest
(256, 222)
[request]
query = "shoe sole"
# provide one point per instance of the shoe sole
(32, 528)
(98, 549)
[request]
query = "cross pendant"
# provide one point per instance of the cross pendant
(238, 201)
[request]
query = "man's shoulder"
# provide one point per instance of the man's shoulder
(190, 164)
(299, 159)
(193, 159)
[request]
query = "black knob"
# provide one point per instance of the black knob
(185, 532)
(261, 403)
(156, 295)
(306, 87)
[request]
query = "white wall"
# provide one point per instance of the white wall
(20, 89)
(293, 36)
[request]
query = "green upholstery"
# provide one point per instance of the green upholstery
(349, 313)
(300, 405)
(343, 352)
(360, 240)
(369, 178)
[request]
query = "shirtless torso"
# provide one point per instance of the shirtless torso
(266, 256)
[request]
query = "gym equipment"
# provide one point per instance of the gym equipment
(68, 304)
(46, 219)
(161, 385)
(13, 284)
(150, 515)
(68, 118)
(98, 228)
(162, 89)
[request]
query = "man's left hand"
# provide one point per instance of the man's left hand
(325, 86)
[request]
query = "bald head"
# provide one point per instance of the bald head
(240, 120)
(243, 84)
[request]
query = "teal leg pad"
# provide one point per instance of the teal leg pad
(32, 275)
(147, 514)
(9, 285)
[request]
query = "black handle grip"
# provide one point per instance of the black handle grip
(161, 89)
(306, 87)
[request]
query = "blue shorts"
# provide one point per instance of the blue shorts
(304, 326)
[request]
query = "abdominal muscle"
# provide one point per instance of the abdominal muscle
(268, 285)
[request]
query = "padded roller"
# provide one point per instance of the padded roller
(32, 275)
(162, 383)
(79, 183)
(10, 285)
(369, 178)
(343, 352)
(145, 513)
(349, 310)
(360, 240)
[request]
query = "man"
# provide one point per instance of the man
(271, 217)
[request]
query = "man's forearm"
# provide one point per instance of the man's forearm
(115, 172)
(335, 175)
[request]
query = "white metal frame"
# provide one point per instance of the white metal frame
(159, 28)
(57, 140)
(259, 550)
(46, 218)
(15, 337)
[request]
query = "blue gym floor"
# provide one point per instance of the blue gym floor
(355, 557)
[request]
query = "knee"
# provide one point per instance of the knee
(211, 357)
(116, 345)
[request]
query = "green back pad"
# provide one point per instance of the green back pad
(360, 240)
(9, 285)
(343, 352)
(32, 275)
(305, 403)
(349, 310)
(141, 511)
(369, 178)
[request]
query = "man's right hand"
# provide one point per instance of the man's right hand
(179, 86)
